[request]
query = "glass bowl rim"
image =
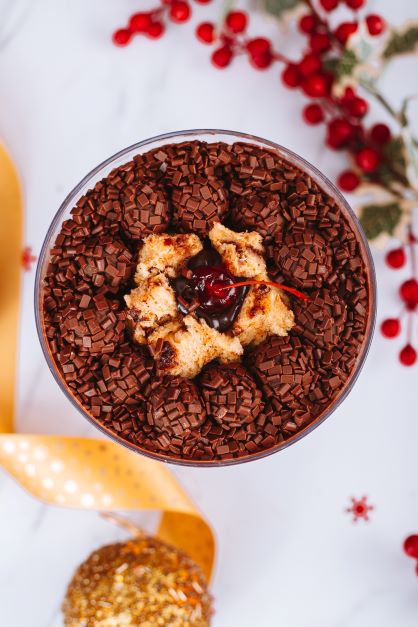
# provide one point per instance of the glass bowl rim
(329, 188)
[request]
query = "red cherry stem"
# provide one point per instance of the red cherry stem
(285, 288)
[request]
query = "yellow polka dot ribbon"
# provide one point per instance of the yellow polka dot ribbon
(72, 471)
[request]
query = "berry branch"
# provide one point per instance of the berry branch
(337, 70)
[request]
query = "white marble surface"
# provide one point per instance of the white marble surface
(288, 553)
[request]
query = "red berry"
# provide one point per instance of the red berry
(368, 159)
(329, 5)
(261, 61)
(310, 64)
(410, 546)
(409, 293)
(396, 258)
(348, 181)
(260, 54)
(291, 76)
(355, 4)
(358, 107)
(259, 45)
(315, 86)
(380, 133)
(236, 21)
(339, 133)
(344, 31)
(319, 42)
(313, 114)
(122, 37)
(180, 11)
(139, 22)
(348, 96)
(155, 30)
(390, 327)
(205, 32)
(307, 23)
(408, 355)
(375, 24)
(222, 57)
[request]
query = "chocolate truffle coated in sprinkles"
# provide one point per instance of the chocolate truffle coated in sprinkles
(231, 395)
(229, 411)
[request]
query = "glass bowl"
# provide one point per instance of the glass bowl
(207, 135)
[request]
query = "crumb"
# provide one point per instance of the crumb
(165, 253)
(242, 253)
(263, 313)
(150, 305)
(183, 347)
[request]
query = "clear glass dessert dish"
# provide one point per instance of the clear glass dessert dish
(209, 136)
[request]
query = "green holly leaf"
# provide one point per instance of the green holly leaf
(341, 66)
(402, 41)
(379, 219)
(393, 170)
(279, 8)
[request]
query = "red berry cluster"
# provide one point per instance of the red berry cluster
(410, 546)
(408, 292)
(232, 40)
(152, 23)
(343, 116)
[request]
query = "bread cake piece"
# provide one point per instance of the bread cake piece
(165, 253)
(183, 347)
(242, 253)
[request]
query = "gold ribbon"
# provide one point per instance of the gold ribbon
(72, 471)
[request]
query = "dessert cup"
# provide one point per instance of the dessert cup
(209, 136)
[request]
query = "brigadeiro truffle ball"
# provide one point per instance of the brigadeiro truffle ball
(304, 258)
(284, 368)
(174, 406)
(260, 212)
(144, 209)
(198, 203)
(94, 325)
(231, 395)
(104, 264)
(320, 320)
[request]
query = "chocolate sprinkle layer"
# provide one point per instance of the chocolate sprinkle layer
(231, 410)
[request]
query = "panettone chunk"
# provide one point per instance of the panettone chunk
(151, 304)
(242, 253)
(183, 347)
(165, 253)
